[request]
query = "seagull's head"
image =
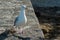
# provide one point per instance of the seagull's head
(23, 6)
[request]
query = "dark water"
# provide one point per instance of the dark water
(45, 3)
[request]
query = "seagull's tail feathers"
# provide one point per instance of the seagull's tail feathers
(15, 21)
(14, 24)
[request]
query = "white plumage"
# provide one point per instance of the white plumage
(21, 19)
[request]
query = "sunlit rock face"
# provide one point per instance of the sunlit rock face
(10, 9)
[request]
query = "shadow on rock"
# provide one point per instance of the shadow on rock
(22, 38)
(4, 35)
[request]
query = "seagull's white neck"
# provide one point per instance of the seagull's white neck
(22, 13)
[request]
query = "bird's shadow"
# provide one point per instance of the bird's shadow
(4, 35)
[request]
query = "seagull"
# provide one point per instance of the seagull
(21, 19)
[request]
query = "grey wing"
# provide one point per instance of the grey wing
(15, 21)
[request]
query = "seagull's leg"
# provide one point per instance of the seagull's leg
(19, 30)
(14, 27)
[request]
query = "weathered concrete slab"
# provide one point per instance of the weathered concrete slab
(9, 9)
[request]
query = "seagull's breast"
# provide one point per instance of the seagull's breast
(21, 20)
(25, 18)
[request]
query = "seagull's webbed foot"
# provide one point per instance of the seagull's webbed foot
(20, 31)
(16, 30)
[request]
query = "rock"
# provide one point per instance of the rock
(9, 10)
